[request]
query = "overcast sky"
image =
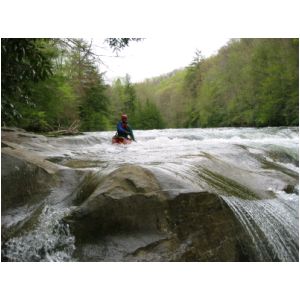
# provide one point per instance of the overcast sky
(154, 56)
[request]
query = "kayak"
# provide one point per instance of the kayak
(120, 140)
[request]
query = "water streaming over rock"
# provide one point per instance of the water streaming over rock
(254, 170)
(273, 226)
(49, 241)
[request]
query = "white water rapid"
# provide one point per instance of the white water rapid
(261, 160)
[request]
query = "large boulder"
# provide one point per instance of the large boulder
(129, 202)
(203, 229)
(128, 199)
(25, 178)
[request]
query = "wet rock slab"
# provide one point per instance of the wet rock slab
(129, 205)
(134, 213)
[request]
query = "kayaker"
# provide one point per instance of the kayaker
(123, 128)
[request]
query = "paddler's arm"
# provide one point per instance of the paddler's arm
(131, 133)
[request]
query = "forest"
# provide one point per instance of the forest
(53, 84)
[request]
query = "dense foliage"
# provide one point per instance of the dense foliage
(23, 61)
(50, 84)
(250, 82)
(124, 100)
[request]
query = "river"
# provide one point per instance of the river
(185, 159)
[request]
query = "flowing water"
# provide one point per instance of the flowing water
(186, 159)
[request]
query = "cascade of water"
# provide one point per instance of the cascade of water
(272, 225)
(51, 240)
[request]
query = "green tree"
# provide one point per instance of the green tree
(149, 117)
(193, 74)
(23, 61)
(123, 99)
(94, 110)
(129, 96)
(88, 86)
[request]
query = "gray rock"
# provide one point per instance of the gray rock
(128, 199)
(23, 182)
(195, 226)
